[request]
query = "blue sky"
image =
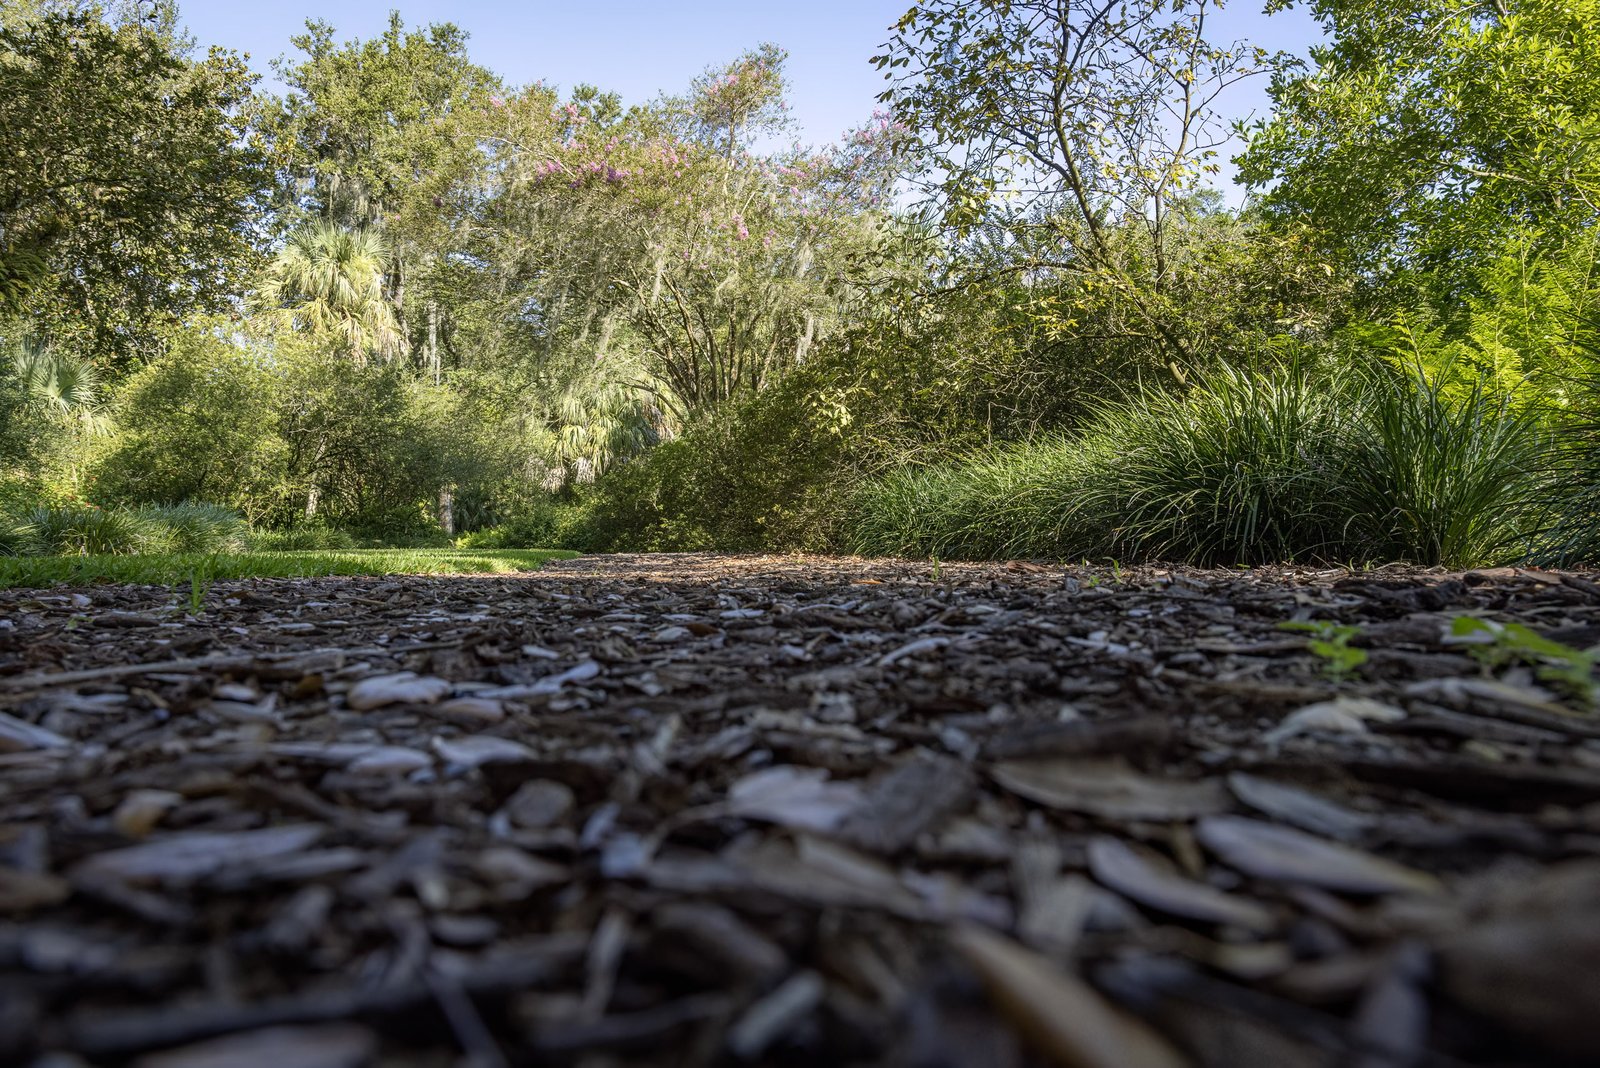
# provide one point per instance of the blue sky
(642, 47)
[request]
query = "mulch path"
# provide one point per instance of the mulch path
(683, 810)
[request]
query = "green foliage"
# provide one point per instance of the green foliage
(14, 536)
(277, 426)
(545, 521)
(332, 282)
(1071, 138)
(1502, 644)
(1430, 134)
(129, 182)
(380, 130)
(1441, 481)
(192, 527)
(64, 383)
(1245, 467)
(84, 530)
(303, 538)
(1331, 642)
(199, 424)
(1012, 501)
(79, 529)
(764, 474)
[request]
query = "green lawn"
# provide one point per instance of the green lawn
(166, 570)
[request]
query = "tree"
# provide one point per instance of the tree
(1070, 136)
(331, 280)
(657, 250)
(129, 182)
(1429, 135)
(199, 423)
(384, 134)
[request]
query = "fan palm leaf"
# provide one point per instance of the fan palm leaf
(331, 279)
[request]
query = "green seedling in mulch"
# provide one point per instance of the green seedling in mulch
(1331, 642)
(1498, 645)
(200, 580)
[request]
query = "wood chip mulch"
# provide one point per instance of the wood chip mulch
(712, 810)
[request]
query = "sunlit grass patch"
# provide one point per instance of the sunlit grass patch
(166, 569)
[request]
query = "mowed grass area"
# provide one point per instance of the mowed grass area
(167, 569)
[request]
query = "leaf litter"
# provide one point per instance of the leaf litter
(718, 810)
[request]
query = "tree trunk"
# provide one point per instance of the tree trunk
(433, 342)
(313, 496)
(447, 510)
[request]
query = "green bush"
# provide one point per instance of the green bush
(13, 536)
(1244, 467)
(540, 524)
(764, 473)
(300, 539)
(76, 529)
(1572, 492)
(1016, 500)
(199, 423)
(84, 530)
(193, 527)
(1437, 480)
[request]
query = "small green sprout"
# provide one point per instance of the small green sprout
(1331, 642)
(1500, 644)
(200, 579)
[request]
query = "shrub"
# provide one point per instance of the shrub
(539, 524)
(1012, 501)
(1572, 493)
(764, 473)
(309, 537)
(1445, 481)
(1245, 467)
(84, 530)
(13, 537)
(193, 527)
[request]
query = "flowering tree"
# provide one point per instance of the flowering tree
(657, 250)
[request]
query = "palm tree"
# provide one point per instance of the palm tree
(331, 279)
(59, 381)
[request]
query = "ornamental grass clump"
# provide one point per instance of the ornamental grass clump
(997, 503)
(1244, 467)
(1459, 481)
(194, 527)
(83, 530)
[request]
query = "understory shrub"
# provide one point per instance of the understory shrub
(1244, 467)
(308, 537)
(764, 474)
(1010, 501)
(13, 538)
(1456, 481)
(76, 529)
(193, 528)
(1573, 498)
(539, 524)
(84, 530)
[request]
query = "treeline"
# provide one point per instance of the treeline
(1007, 316)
